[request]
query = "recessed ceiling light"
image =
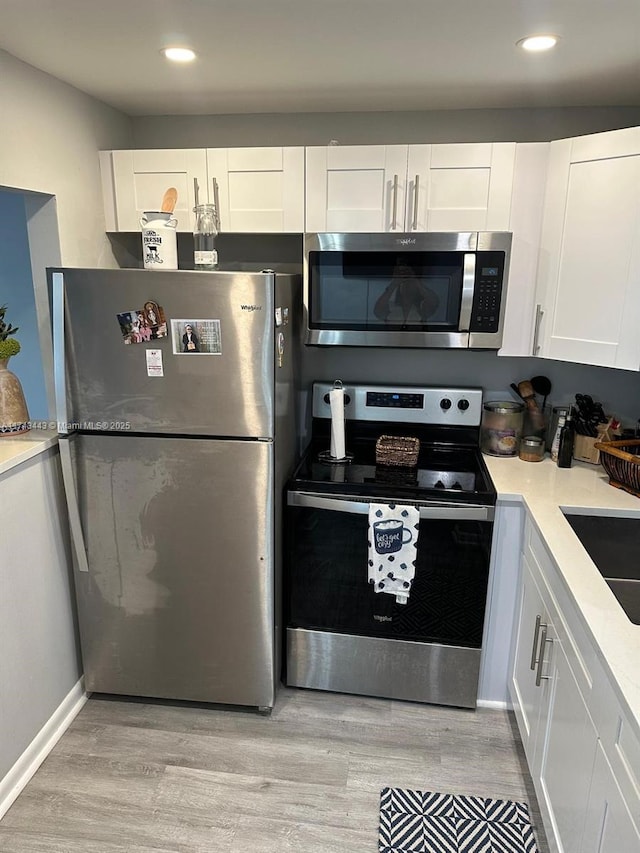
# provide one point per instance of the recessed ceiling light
(179, 54)
(538, 43)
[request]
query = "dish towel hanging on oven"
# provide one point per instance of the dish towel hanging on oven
(393, 539)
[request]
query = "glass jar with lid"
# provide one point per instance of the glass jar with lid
(205, 255)
(501, 428)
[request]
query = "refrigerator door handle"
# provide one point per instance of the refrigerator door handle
(75, 523)
(58, 352)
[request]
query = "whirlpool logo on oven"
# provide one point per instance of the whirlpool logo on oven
(406, 241)
(379, 618)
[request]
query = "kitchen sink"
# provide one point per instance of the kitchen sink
(613, 543)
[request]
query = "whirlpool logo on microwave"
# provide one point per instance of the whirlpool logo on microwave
(406, 241)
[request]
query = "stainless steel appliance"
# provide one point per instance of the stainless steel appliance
(443, 289)
(174, 459)
(341, 634)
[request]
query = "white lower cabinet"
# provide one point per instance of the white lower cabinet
(583, 806)
(568, 745)
(609, 826)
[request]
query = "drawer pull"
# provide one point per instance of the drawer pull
(543, 641)
(534, 650)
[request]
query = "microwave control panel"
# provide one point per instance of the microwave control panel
(487, 293)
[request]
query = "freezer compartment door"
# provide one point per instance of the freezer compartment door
(223, 386)
(178, 599)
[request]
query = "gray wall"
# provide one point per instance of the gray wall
(521, 125)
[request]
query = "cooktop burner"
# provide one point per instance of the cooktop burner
(450, 465)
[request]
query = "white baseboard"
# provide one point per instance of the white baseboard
(497, 705)
(41, 746)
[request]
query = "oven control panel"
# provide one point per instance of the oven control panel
(422, 405)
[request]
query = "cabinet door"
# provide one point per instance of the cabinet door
(609, 827)
(356, 188)
(527, 696)
(569, 741)
(462, 187)
(589, 264)
(140, 179)
(260, 190)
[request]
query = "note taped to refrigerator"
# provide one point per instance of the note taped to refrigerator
(196, 337)
(154, 362)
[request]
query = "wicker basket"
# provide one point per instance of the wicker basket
(397, 450)
(622, 466)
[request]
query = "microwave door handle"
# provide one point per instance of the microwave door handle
(435, 511)
(468, 285)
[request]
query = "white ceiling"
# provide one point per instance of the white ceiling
(259, 56)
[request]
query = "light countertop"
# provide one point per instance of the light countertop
(545, 489)
(16, 449)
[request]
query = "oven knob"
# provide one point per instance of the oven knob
(445, 403)
(463, 405)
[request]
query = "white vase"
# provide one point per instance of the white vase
(14, 416)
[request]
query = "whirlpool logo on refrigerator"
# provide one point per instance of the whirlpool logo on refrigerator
(251, 308)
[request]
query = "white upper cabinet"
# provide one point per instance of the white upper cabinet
(370, 188)
(589, 265)
(260, 190)
(462, 187)
(356, 188)
(135, 181)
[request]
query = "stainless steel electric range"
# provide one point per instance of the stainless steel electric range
(345, 634)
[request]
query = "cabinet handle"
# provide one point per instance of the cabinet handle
(394, 220)
(416, 189)
(536, 332)
(543, 641)
(534, 650)
(216, 201)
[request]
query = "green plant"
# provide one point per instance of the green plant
(7, 347)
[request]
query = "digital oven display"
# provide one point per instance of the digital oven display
(391, 400)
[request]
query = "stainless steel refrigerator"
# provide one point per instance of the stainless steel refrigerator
(174, 460)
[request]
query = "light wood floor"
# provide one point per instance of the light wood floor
(142, 777)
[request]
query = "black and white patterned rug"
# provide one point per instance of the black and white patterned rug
(428, 822)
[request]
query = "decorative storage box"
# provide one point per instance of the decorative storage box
(397, 450)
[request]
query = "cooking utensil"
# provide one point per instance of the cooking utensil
(542, 385)
(514, 387)
(169, 200)
(588, 415)
(525, 389)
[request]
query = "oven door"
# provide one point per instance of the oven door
(327, 573)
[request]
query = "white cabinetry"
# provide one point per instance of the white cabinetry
(565, 707)
(260, 190)
(356, 188)
(589, 264)
(610, 826)
(135, 181)
(370, 188)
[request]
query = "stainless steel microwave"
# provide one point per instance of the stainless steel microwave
(434, 289)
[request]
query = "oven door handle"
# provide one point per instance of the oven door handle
(339, 504)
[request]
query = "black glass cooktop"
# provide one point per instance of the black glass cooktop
(444, 473)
